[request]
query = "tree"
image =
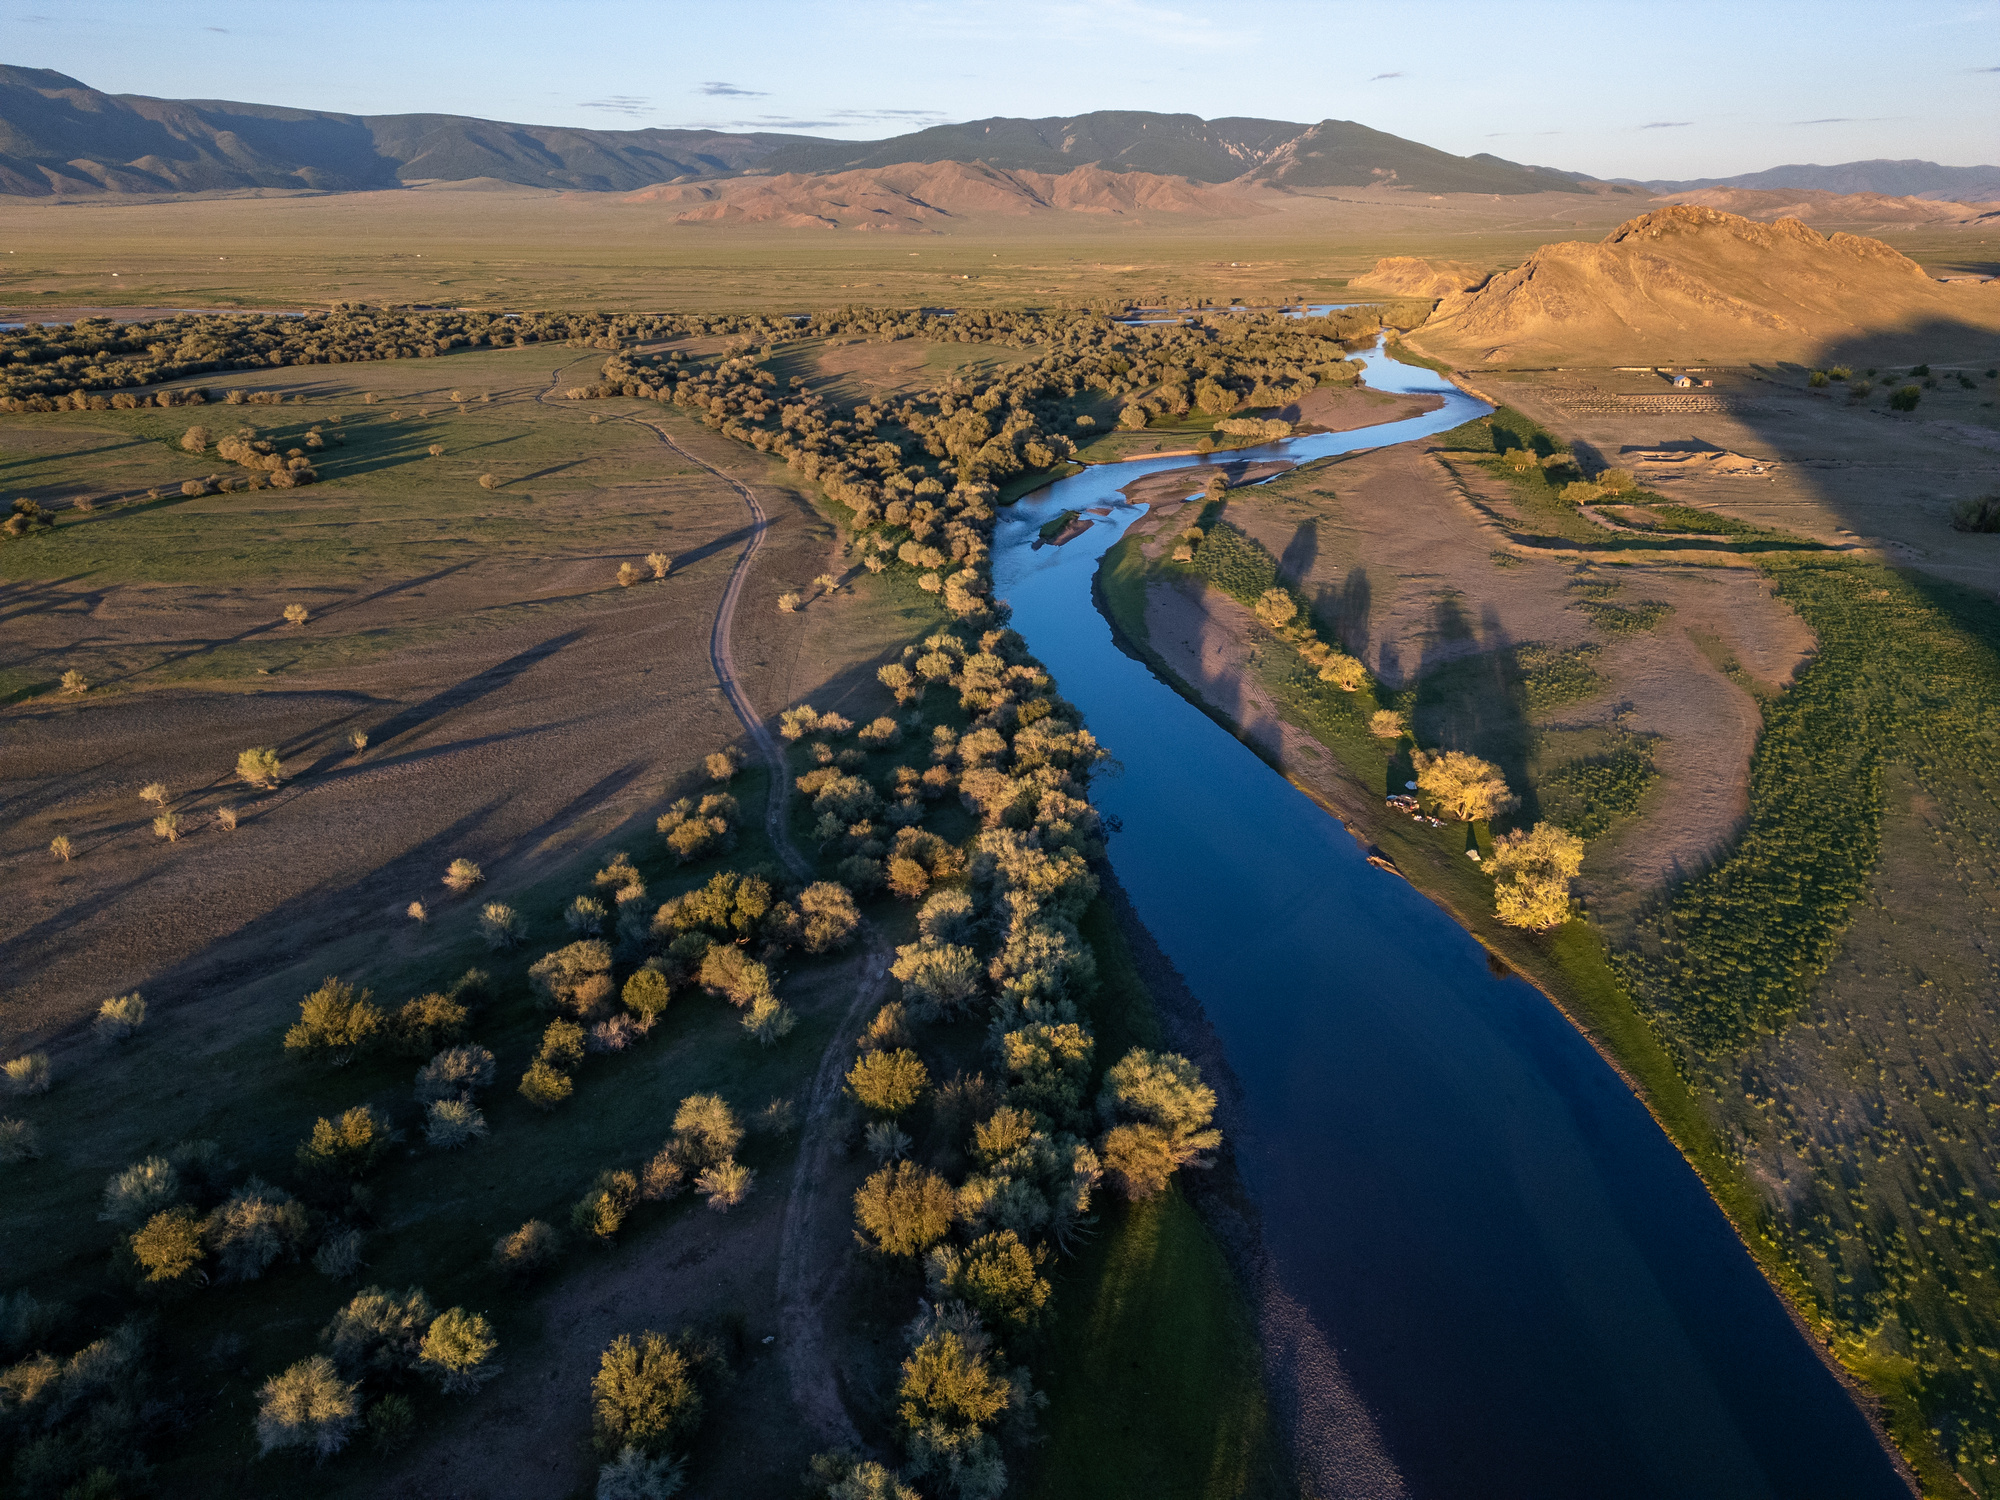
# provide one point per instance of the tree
(75, 684)
(61, 847)
(725, 1184)
(455, 1073)
(169, 1247)
(527, 1251)
(545, 1086)
(1532, 870)
(451, 1123)
(1464, 786)
(461, 875)
(659, 562)
(259, 767)
(256, 1226)
(336, 1022)
(1276, 607)
(457, 1351)
(888, 1082)
(706, 1130)
(1139, 1159)
(309, 1406)
(952, 1389)
(644, 1396)
(905, 1209)
(996, 1275)
(647, 993)
(634, 1476)
(119, 1017)
(378, 1332)
(940, 981)
(141, 1190)
(722, 765)
(28, 1074)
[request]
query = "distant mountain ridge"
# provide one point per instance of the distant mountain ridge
(60, 137)
(1892, 179)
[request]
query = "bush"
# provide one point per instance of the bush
(544, 1086)
(339, 1258)
(905, 1209)
(169, 1248)
(575, 979)
(585, 916)
(260, 767)
(309, 1406)
(19, 1141)
(1386, 724)
(706, 1130)
(1905, 398)
(634, 1476)
(456, 1073)
(28, 1073)
(725, 1184)
(952, 1389)
(350, 1147)
(451, 1123)
(768, 1019)
(379, 1333)
(1981, 515)
(256, 1226)
(645, 1396)
(831, 918)
(722, 765)
(527, 1251)
(140, 1191)
(1463, 786)
(336, 1023)
(391, 1421)
(888, 1083)
(602, 1211)
(1533, 869)
(424, 1025)
(562, 1045)
(940, 982)
(168, 826)
(119, 1017)
(457, 1352)
(499, 925)
(461, 875)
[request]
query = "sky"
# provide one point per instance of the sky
(1615, 88)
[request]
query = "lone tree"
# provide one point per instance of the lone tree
(888, 1082)
(259, 767)
(1532, 871)
(457, 1352)
(1463, 786)
(309, 1406)
(336, 1022)
(1158, 1110)
(645, 1396)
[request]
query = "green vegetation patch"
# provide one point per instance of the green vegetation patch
(1588, 796)
(1688, 519)
(1232, 561)
(1503, 431)
(1624, 619)
(1553, 676)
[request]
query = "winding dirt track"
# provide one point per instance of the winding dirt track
(805, 1281)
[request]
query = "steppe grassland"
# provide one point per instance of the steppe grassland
(530, 248)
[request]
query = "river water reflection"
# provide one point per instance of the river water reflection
(1524, 1282)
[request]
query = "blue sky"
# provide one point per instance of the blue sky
(1676, 88)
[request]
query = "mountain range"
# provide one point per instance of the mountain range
(61, 138)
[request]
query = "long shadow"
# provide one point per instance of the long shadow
(473, 688)
(395, 588)
(28, 596)
(1476, 701)
(708, 549)
(1300, 553)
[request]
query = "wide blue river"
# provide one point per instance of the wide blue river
(1524, 1288)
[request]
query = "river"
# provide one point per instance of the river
(1521, 1280)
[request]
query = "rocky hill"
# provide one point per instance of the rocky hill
(1407, 276)
(1687, 283)
(1894, 179)
(1836, 208)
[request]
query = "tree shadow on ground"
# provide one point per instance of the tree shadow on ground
(1476, 700)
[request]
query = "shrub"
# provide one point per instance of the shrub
(722, 765)
(351, 1146)
(659, 562)
(309, 1406)
(458, 1350)
(1905, 398)
(788, 603)
(634, 1476)
(1276, 607)
(225, 818)
(28, 1073)
(140, 1191)
(644, 1396)
(462, 875)
(169, 1249)
(997, 1276)
(391, 1421)
(259, 767)
(489, 481)
(585, 916)
(19, 1141)
(952, 1389)
(647, 993)
(706, 1130)
(725, 1184)
(885, 1141)
(339, 1258)
(74, 683)
(1464, 786)
(768, 1019)
(831, 918)
(905, 1209)
(195, 440)
(628, 575)
(1981, 515)
(336, 1022)
(119, 1017)
(296, 614)
(576, 978)
(939, 982)
(437, 450)
(379, 1333)
(451, 1123)
(61, 847)
(167, 826)
(544, 1086)
(527, 1251)
(888, 1083)
(602, 1211)
(455, 1073)
(256, 1226)
(1386, 724)
(154, 793)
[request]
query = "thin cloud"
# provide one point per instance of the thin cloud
(620, 104)
(1666, 125)
(731, 91)
(1969, 70)
(1851, 119)
(218, 30)
(1380, 76)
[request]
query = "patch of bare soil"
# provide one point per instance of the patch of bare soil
(1334, 408)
